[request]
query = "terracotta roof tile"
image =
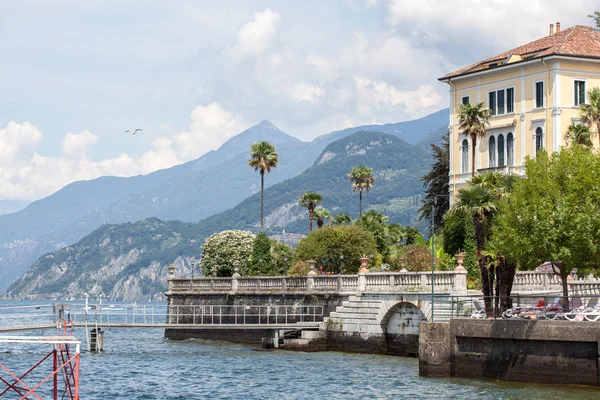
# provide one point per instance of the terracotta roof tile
(579, 40)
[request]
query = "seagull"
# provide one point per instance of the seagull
(134, 132)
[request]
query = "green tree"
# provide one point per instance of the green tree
(261, 256)
(282, 257)
(310, 200)
(321, 214)
(437, 185)
(473, 121)
(386, 235)
(362, 179)
(341, 219)
(459, 237)
(552, 214)
(579, 134)
(262, 158)
(327, 244)
(411, 235)
(590, 111)
(222, 249)
(596, 18)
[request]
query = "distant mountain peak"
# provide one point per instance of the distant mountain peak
(265, 123)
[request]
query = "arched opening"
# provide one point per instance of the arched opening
(501, 151)
(465, 156)
(510, 144)
(492, 152)
(539, 140)
(401, 326)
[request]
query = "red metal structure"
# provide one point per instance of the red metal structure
(65, 367)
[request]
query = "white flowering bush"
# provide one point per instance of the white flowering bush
(222, 249)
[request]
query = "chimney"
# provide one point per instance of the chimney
(551, 30)
(558, 27)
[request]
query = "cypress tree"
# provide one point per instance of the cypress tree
(261, 256)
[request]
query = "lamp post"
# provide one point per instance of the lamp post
(341, 264)
(285, 260)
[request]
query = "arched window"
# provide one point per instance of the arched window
(465, 155)
(539, 140)
(492, 152)
(510, 144)
(501, 151)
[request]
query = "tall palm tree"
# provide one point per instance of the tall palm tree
(362, 179)
(341, 219)
(473, 121)
(321, 214)
(263, 157)
(579, 134)
(310, 200)
(479, 202)
(590, 111)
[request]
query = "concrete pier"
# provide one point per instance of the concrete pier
(558, 352)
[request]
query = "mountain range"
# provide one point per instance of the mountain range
(211, 184)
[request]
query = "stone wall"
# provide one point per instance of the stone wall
(558, 352)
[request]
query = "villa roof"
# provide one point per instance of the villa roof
(577, 41)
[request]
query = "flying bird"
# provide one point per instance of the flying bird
(134, 132)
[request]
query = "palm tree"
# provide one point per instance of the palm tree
(341, 219)
(479, 201)
(362, 179)
(321, 214)
(579, 134)
(590, 111)
(310, 200)
(473, 121)
(263, 157)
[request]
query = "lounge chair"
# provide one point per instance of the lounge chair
(479, 311)
(539, 311)
(579, 312)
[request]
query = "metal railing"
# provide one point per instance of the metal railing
(550, 306)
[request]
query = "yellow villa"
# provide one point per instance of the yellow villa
(534, 93)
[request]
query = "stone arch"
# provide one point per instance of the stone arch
(403, 318)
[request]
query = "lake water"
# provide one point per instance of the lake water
(141, 364)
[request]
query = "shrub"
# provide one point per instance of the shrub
(325, 246)
(222, 249)
(300, 268)
(261, 256)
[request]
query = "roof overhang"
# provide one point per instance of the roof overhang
(517, 64)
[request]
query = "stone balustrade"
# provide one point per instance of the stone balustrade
(443, 282)
(393, 282)
(533, 281)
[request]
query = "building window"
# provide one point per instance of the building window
(500, 97)
(466, 100)
(510, 144)
(492, 103)
(465, 155)
(492, 152)
(539, 140)
(510, 100)
(579, 91)
(502, 101)
(539, 94)
(501, 151)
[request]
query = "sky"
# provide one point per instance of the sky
(75, 75)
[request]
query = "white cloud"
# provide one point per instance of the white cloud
(211, 126)
(16, 139)
(384, 100)
(501, 24)
(256, 36)
(305, 93)
(25, 174)
(75, 145)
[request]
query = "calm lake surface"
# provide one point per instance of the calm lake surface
(141, 364)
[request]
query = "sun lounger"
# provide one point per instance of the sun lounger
(479, 311)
